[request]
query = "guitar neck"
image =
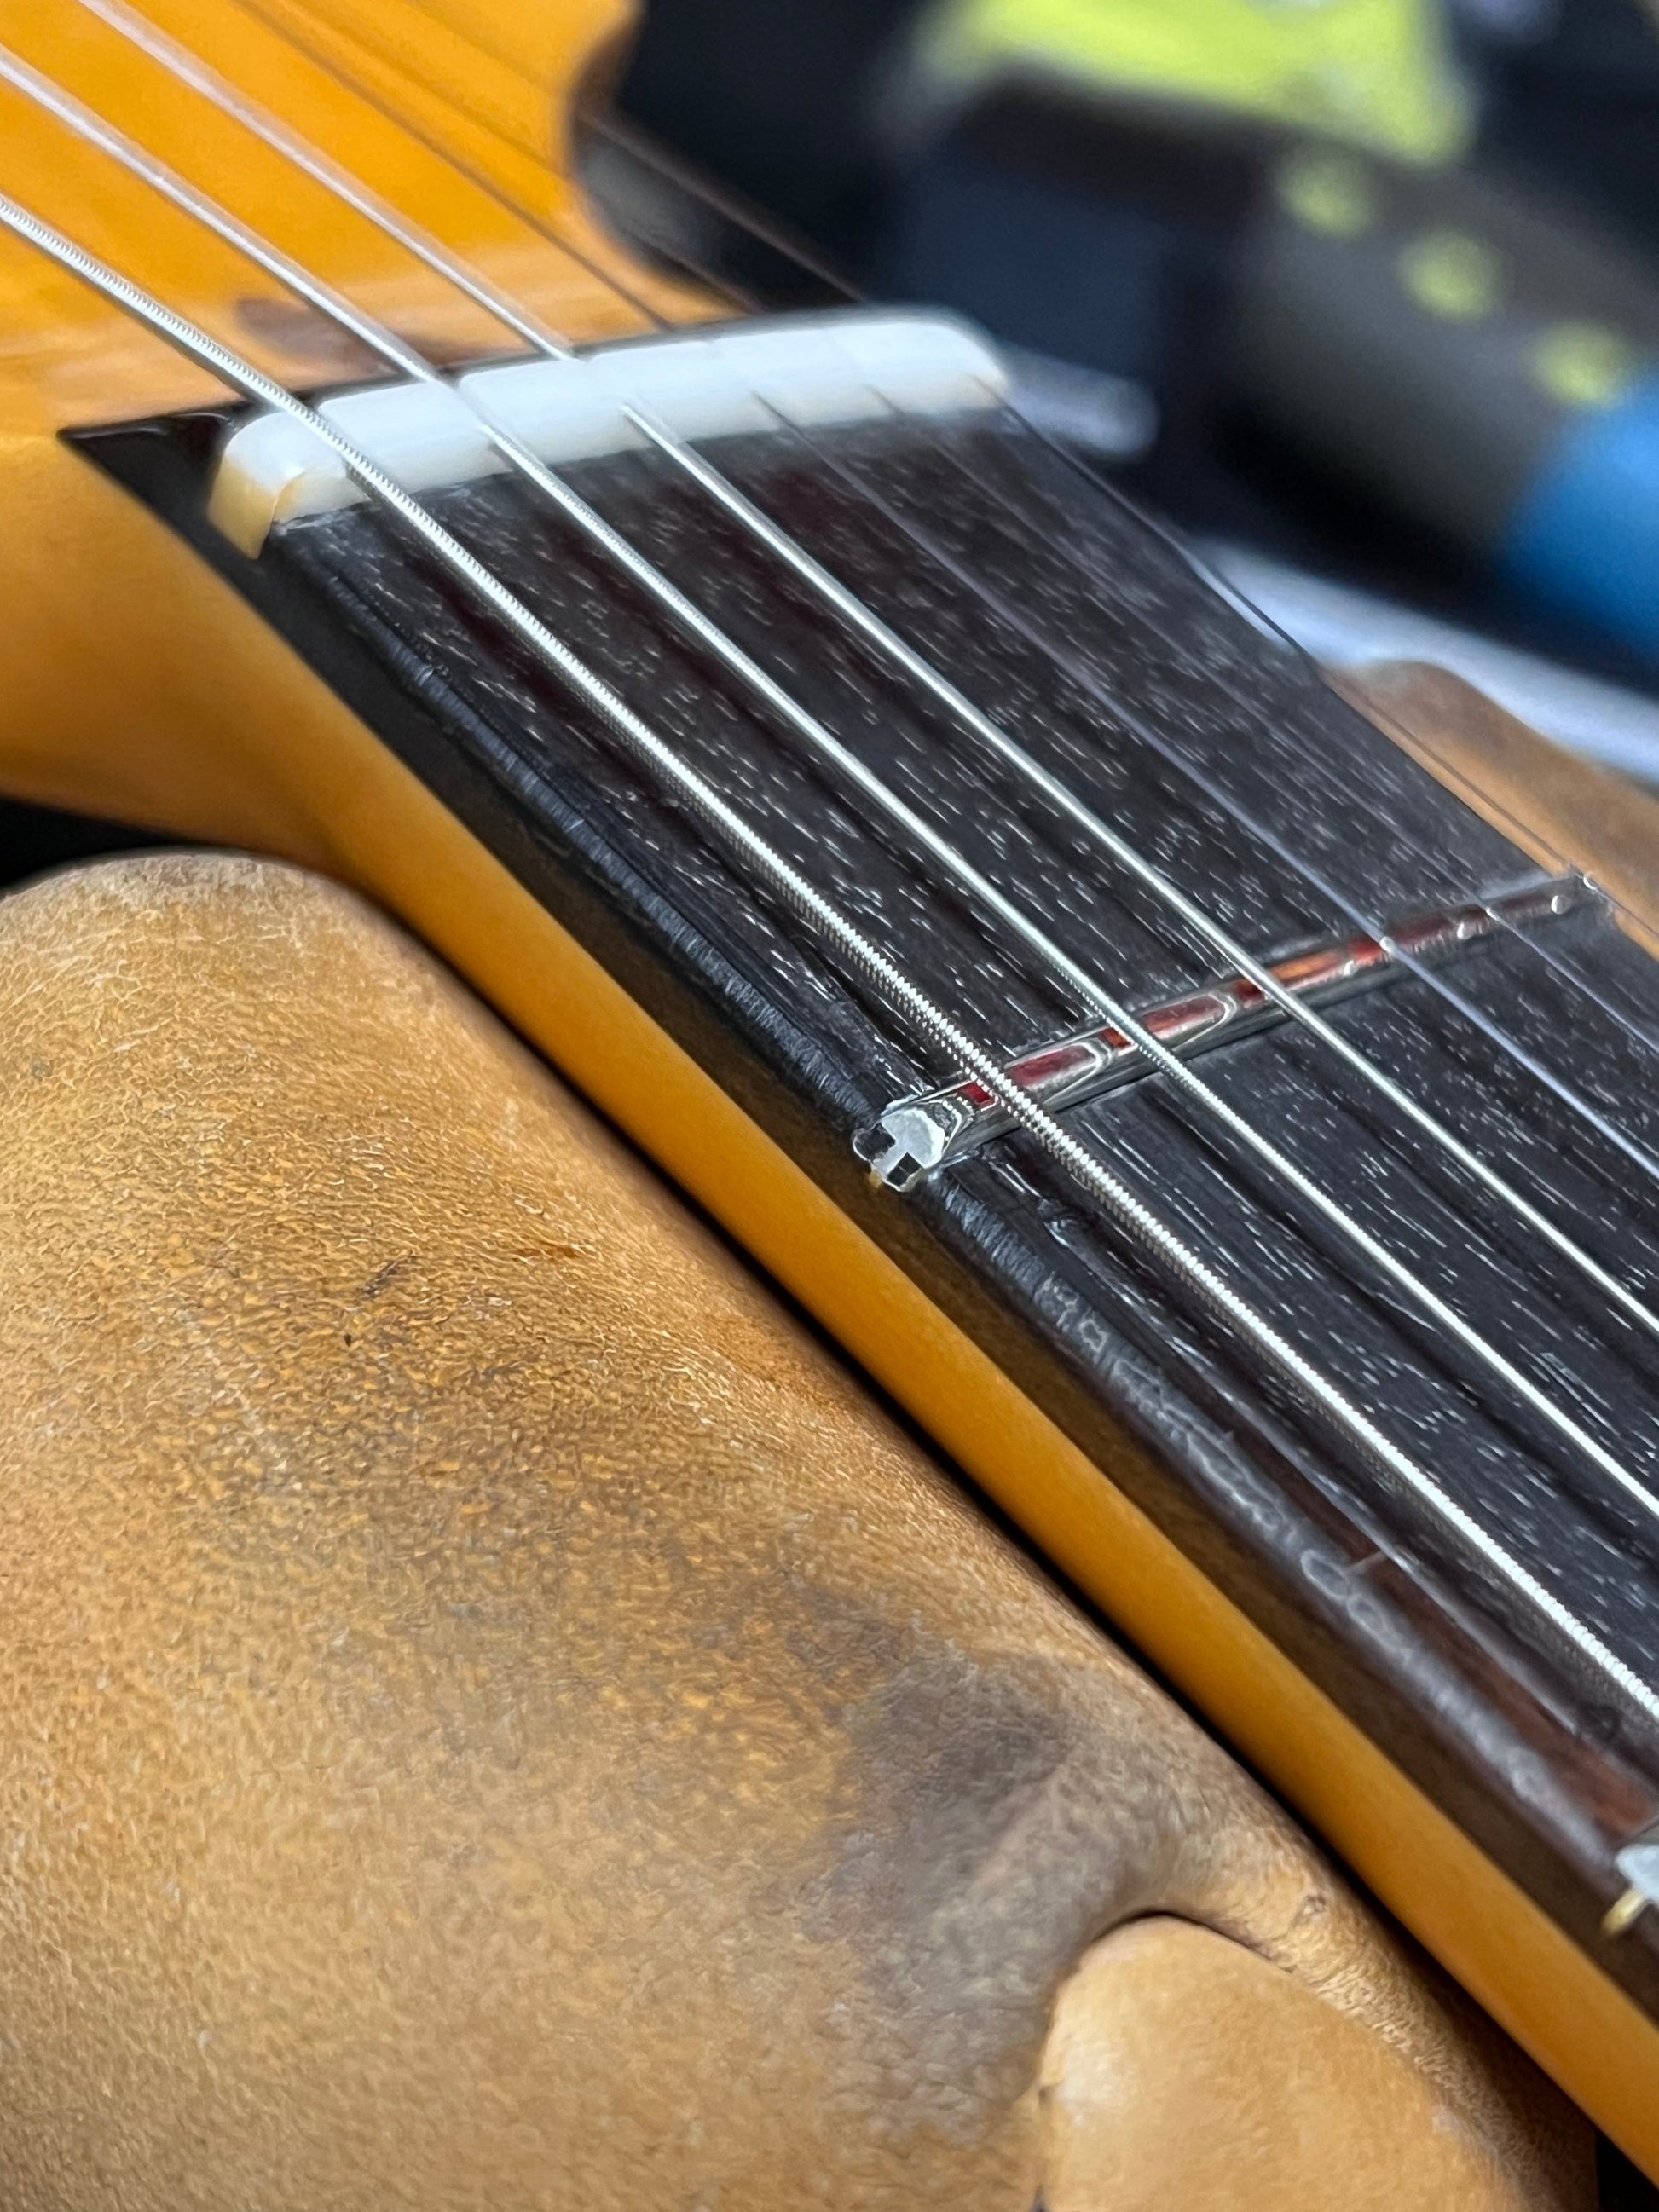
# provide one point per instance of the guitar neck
(1288, 822)
(1233, 1149)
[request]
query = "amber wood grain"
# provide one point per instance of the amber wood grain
(203, 722)
(185, 722)
(1560, 808)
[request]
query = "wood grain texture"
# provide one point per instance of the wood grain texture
(1560, 808)
(186, 722)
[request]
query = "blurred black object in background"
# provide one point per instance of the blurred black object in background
(35, 840)
(1367, 289)
(778, 102)
(1572, 103)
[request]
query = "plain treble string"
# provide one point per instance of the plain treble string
(724, 822)
(190, 69)
(179, 61)
(1096, 997)
(1547, 1078)
(1137, 726)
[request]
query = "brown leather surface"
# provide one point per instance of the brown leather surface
(1185, 2071)
(491, 1714)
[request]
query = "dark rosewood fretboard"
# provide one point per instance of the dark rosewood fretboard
(1220, 754)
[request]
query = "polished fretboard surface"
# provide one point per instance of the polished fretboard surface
(1215, 750)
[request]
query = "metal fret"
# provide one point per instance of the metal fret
(728, 827)
(917, 1136)
(1092, 994)
(1582, 1108)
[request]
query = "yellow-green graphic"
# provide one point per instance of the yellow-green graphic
(1377, 73)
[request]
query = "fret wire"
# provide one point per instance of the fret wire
(1410, 741)
(862, 617)
(1137, 726)
(1577, 1103)
(1523, 831)
(1550, 956)
(1099, 999)
(802, 898)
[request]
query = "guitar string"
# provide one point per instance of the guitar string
(507, 319)
(718, 285)
(183, 63)
(1136, 726)
(153, 172)
(728, 827)
(863, 619)
(1547, 956)
(179, 61)
(154, 40)
(1146, 733)
(138, 162)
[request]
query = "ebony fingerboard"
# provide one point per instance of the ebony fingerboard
(1216, 750)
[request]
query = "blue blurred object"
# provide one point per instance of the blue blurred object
(1586, 537)
(1439, 381)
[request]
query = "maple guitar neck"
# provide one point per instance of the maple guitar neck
(1460, 1720)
